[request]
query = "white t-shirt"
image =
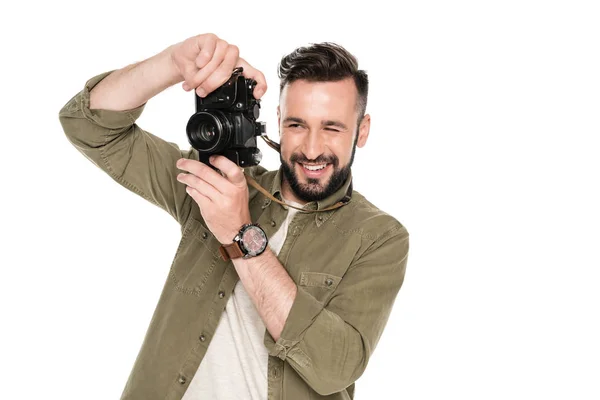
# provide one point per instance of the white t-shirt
(236, 361)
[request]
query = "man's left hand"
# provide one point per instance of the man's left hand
(223, 200)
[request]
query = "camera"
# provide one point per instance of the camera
(225, 122)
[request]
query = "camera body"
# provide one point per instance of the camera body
(225, 122)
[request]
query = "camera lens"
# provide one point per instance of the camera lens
(209, 132)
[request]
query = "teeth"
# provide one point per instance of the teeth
(314, 167)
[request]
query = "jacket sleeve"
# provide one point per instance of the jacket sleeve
(134, 158)
(330, 346)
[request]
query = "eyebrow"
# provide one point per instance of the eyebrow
(328, 122)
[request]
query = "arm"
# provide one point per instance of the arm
(100, 120)
(271, 288)
(329, 346)
(100, 123)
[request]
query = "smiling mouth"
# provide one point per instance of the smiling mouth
(315, 171)
(314, 167)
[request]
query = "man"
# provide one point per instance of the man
(301, 318)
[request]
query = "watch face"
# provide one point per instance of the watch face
(254, 240)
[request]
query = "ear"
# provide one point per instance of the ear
(363, 131)
(279, 120)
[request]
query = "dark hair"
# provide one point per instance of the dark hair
(324, 62)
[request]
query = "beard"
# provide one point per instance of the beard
(313, 190)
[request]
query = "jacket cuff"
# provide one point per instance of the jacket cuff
(302, 314)
(111, 119)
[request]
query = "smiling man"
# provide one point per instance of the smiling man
(281, 293)
(323, 121)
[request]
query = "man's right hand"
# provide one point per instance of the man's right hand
(205, 62)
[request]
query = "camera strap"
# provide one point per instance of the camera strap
(257, 186)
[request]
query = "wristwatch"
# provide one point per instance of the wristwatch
(251, 241)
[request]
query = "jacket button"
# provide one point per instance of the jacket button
(202, 338)
(273, 223)
(320, 218)
(181, 380)
(204, 235)
(275, 372)
(329, 282)
(221, 294)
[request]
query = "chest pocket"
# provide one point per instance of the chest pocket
(195, 259)
(323, 273)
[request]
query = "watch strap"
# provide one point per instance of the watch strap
(230, 251)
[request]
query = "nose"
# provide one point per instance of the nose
(314, 145)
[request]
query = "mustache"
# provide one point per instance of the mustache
(322, 159)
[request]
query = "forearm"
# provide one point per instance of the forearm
(133, 85)
(271, 288)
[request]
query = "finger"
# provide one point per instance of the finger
(213, 64)
(223, 72)
(189, 71)
(193, 52)
(232, 171)
(250, 72)
(203, 171)
(200, 185)
(200, 199)
(206, 45)
(187, 64)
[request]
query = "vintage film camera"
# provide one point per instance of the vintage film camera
(225, 122)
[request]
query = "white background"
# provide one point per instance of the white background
(484, 143)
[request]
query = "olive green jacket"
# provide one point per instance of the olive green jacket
(348, 264)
